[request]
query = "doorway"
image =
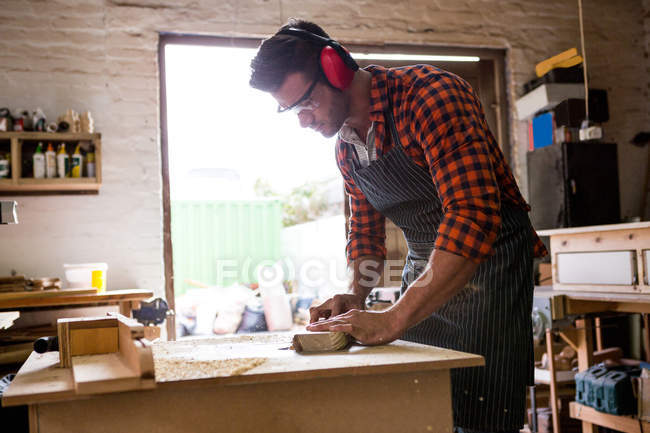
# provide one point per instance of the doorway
(232, 199)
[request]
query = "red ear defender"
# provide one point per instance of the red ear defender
(337, 73)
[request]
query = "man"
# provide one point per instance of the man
(413, 146)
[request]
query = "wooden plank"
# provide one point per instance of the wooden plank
(585, 359)
(39, 379)
(93, 341)
(553, 381)
(63, 332)
(320, 341)
(45, 293)
(91, 322)
(52, 136)
(106, 373)
(33, 418)
(591, 229)
(125, 308)
(644, 289)
(404, 402)
(85, 336)
(136, 354)
(590, 415)
(151, 332)
(109, 297)
(583, 306)
(8, 318)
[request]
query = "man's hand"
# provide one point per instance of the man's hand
(367, 327)
(335, 306)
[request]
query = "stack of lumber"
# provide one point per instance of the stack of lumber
(18, 283)
(13, 284)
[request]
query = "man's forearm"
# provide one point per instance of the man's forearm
(366, 271)
(443, 277)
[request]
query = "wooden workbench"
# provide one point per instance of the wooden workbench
(397, 387)
(569, 303)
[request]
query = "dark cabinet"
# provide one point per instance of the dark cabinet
(573, 184)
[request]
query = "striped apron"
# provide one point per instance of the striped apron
(491, 316)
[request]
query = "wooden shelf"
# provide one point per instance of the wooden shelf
(53, 136)
(18, 184)
(627, 424)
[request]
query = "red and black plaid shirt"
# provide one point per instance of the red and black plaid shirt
(442, 127)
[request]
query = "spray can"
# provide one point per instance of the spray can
(63, 162)
(77, 163)
(39, 162)
(50, 161)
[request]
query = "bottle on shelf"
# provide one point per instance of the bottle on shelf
(50, 161)
(63, 162)
(4, 166)
(77, 163)
(39, 162)
(90, 162)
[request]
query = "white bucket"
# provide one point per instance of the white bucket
(86, 275)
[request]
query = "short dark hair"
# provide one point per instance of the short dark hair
(282, 54)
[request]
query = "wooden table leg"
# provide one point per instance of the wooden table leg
(552, 383)
(125, 308)
(646, 337)
(585, 358)
(32, 411)
(599, 334)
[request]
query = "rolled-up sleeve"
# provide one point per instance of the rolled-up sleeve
(446, 121)
(366, 231)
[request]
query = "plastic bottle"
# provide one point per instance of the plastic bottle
(4, 166)
(77, 163)
(39, 162)
(62, 162)
(50, 161)
(90, 162)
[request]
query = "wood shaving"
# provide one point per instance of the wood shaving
(172, 369)
(198, 359)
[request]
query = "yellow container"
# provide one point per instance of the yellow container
(98, 281)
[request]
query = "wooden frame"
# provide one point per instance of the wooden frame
(582, 340)
(493, 58)
(614, 237)
(18, 184)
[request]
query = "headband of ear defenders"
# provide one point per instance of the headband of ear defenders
(335, 61)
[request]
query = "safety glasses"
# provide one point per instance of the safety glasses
(304, 103)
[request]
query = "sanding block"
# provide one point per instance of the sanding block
(321, 341)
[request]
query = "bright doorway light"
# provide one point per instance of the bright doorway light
(223, 135)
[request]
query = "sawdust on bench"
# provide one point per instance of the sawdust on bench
(181, 361)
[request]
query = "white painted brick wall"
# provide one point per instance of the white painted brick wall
(102, 56)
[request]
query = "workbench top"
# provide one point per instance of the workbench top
(242, 359)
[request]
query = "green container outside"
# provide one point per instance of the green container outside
(220, 243)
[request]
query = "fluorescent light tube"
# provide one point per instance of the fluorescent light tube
(414, 57)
